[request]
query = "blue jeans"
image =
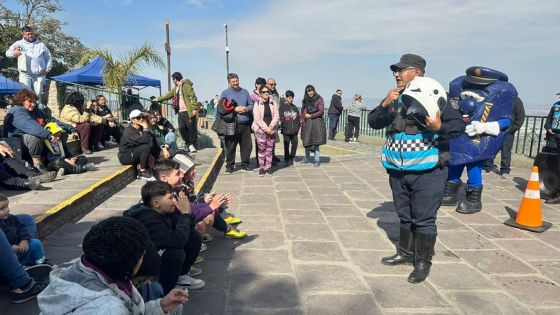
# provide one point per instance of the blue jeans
(333, 124)
(171, 140)
(315, 152)
(35, 251)
(33, 82)
(10, 268)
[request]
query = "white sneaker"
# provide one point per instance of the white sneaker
(60, 172)
(190, 283)
(192, 149)
(203, 248)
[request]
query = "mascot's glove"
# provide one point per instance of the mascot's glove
(478, 128)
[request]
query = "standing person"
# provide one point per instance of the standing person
(313, 131)
(243, 116)
(552, 126)
(289, 123)
(202, 113)
(416, 176)
(184, 104)
(34, 60)
(335, 110)
(265, 123)
(256, 97)
(517, 119)
(271, 84)
(354, 114)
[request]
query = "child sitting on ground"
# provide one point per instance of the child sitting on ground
(57, 158)
(28, 250)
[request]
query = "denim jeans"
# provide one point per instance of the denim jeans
(36, 251)
(33, 82)
(171, 140)
(315, 152)
(10, 268)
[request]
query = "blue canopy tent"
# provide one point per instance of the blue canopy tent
(8, 86)
(92, 74)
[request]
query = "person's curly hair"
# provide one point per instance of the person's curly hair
(75, 99)
(25, 95)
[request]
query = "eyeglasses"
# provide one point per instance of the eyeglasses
(403, 70)
(272, 84)
(267, 92)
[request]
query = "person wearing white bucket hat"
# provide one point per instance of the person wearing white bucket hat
(418, 123)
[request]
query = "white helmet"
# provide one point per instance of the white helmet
(423, 97)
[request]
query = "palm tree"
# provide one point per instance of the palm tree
(117, 67)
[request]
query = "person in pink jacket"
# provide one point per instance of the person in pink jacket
(265, 123)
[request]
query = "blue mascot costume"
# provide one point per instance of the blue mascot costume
(484, 97)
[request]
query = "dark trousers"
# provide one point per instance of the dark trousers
(243, 138)
(333, 124)
(84, 130)
(352, 128)
(417, 197)
(14, 172)
(96, 134)
(505, 163)
(290, 142)
(139, 155)
(109, 131)
(178, 261)
(187, 128)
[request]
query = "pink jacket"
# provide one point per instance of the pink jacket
(258, 114)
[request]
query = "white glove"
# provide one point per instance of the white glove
(478, 128)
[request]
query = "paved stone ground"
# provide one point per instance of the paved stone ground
(316, 237)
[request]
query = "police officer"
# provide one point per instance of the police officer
(414, 160)
(552, 126)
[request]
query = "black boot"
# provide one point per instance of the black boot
(405, 251)
(423, 261)
(472, 202)
(450, 193)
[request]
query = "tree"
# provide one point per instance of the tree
(65, 49)
(117, 68)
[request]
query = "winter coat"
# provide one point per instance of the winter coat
(20, 121)
(313, 130)
(356, 109)
(187, 96)
(132, 138)
(72, 116)
(517, 115)
(289, 119)
(37, 55)
(336, 105)
(259, 125)
(79, 289)
(166, 231)
(15, 230)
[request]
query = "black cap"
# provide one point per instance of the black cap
(484, 76)
(409, 60)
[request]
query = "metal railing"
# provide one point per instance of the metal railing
(529, 140)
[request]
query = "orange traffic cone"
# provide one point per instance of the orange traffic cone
(529, 216)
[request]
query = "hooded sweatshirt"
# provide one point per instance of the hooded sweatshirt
(166, 231)
(79, 289)
(37, 55)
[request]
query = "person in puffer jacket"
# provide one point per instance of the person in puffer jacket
(415, 156)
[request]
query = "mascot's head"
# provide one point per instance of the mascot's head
(423, 97)
(474, 88)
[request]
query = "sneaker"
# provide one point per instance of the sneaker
(246, 169)
(262, 172)
(231, 219)
(194, 272)
(99, 147)
(86, 151)
(317, 164)
(269, 171)
(207, 238)
(199, 259)
(61, 172)
(30, 292)
(234, 233)
(32, 184)
(192, 149)
(146, 175)
(91, 167)
(203, 248)
(505, 175)
(42, 169)
(46, 177)
(190, 283)
(39, 272)
(304, 161)
(229, 170)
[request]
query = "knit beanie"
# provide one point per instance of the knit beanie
(115, 245)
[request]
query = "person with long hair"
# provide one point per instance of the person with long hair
(313, 131)
(354, 114)
(265, 123)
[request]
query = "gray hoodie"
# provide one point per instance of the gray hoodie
(356, 109)
(79, 289)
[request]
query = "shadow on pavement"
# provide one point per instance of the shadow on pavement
(520, 183)
(388, 220)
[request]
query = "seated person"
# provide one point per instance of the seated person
(100, 282)
(22, 286)
(113, 127)
(74, 113)
(171, 228)
(137, 145)
(28, 249)
(58, 159)
(209, 211)
(16, 174)
(23, 128)
(163, 130)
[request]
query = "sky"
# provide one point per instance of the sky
(346, 44)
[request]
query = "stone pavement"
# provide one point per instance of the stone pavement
(316, 237)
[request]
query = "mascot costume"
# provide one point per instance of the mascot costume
(484, 97)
